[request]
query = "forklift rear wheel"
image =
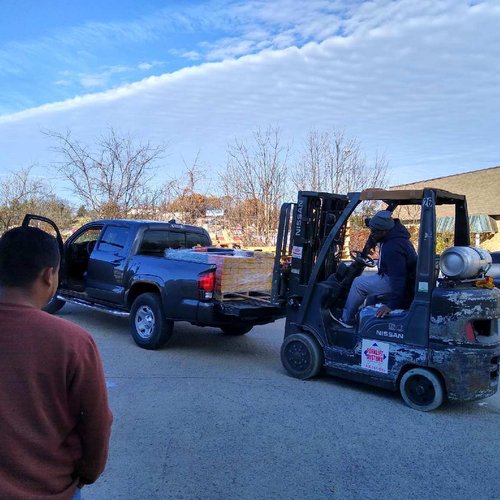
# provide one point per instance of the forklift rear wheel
(421, 389)
(301, 355)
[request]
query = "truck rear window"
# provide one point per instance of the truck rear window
(156, 241)
(194, 239)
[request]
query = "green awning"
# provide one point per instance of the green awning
(480, 223)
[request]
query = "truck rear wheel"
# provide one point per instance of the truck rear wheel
(302, 356)
(149, 328)
(235, 330)
(421, 389)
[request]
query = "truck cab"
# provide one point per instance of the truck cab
(446, 344)
(96, 259)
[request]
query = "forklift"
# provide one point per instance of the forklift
(445, 345)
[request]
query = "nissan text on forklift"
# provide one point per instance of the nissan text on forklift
(445, 345)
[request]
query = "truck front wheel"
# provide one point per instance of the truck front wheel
(302, 356)
(149, 328)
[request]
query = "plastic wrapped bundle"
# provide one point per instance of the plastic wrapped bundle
(238, 272)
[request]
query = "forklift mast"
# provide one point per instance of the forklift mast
(303, 229)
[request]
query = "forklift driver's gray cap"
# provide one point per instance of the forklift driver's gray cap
(382, 221)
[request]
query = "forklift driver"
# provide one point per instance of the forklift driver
(396, 263)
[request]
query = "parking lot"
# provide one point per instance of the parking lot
(215, 417)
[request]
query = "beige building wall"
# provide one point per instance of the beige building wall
(481, 187)
(482, 190)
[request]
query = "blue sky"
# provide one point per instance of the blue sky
(58, 49)
(416, 80)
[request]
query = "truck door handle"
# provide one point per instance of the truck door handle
(117, 262)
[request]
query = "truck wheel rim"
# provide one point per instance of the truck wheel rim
(144, 322)
(298, 356)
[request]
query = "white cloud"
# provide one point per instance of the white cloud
(191, 55)
(93, 81)
(259, 25)
(101, 79)
(231, 47)
(420, 88)
(146, 66)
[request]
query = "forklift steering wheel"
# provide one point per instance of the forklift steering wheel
(358, 257)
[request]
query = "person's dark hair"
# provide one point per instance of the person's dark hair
(24, 252)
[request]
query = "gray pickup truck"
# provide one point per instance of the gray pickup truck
(120, 267)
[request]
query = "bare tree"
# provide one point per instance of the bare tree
(112, 180)
(22, 193)
(182, 196)
(254, 183)
(18, 194)
(335, 163)
(58, 210)
(187, 203)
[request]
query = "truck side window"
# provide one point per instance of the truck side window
(194, 239)
(154, 242)
(114, 239)
(90, 235)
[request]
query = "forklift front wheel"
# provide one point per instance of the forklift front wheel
(421, 389)
(301, 355)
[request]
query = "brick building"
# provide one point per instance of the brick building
(482, 189)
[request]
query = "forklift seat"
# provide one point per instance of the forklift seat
(374, 298)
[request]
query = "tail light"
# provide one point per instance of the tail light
(469, 332)
(484, 331)
(206, 285)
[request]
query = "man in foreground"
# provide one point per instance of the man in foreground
(396, 266)
(55, 422)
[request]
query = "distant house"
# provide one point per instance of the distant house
(482, 189)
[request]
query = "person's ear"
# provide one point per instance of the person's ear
(49, 276)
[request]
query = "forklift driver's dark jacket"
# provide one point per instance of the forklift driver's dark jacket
(398, 261)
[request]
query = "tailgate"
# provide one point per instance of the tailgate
(258, 312)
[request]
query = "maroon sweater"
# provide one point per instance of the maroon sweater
(55, 422)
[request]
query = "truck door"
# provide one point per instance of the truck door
(50, 227)
(106, 269)
(78, 248)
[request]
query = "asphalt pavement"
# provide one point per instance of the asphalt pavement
(216, 417)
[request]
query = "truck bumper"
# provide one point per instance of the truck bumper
(469, 373)
(225, 313)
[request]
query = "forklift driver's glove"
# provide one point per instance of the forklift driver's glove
(382, 311)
